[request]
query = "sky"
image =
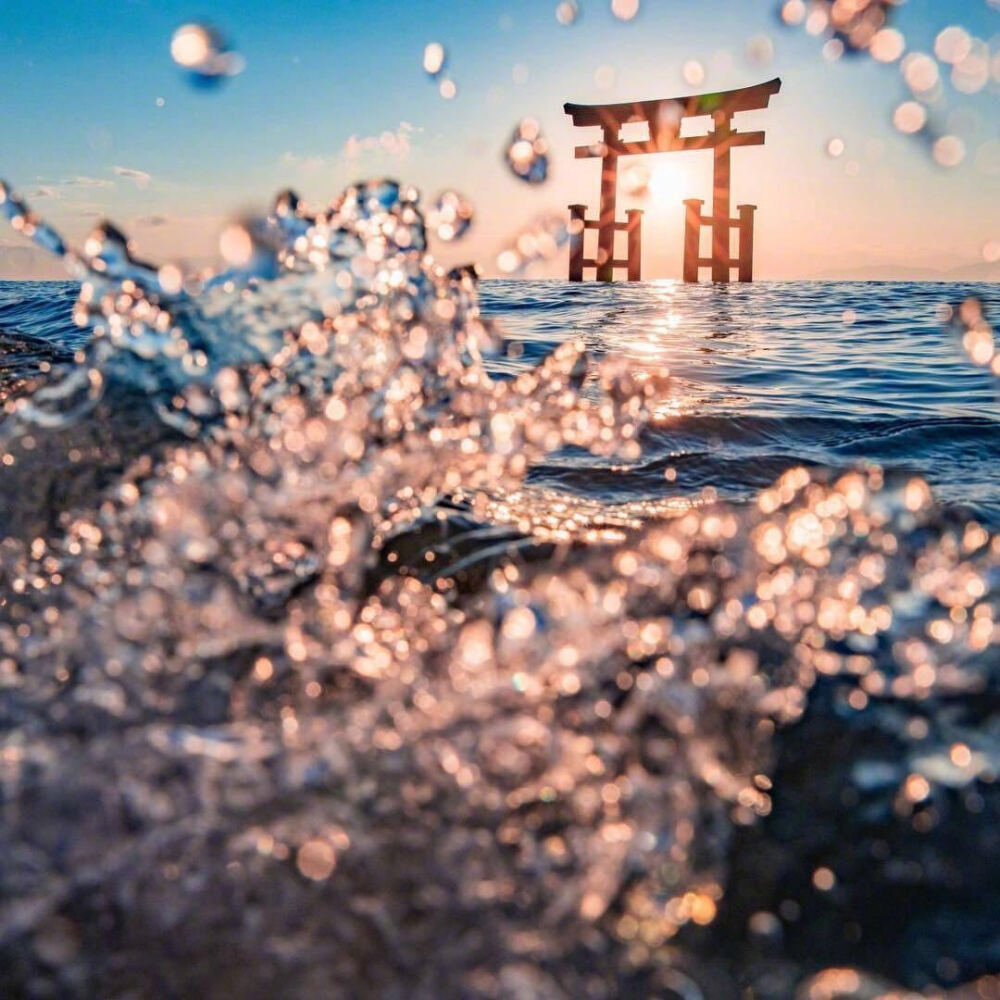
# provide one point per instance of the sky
(97, 121)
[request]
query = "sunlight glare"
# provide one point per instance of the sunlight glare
(666, 182)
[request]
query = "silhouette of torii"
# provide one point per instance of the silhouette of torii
(664, 118)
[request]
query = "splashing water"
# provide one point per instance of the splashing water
(321, 691)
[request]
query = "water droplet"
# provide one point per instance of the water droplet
(833, 49)
(527, 152)
(793, 11)
(316, 859)
(693, 72)
(952, 44)
(887, 45)
(920, 72)
(972, 72)
(450, 216)
(448, 89)
(193, 45)
(835, 147)
(635, 179)
(760, 50)
(625, 10)
(201, 50)
(171, 279)
(236, 245)
(824, 879)
(434, 58)
(909, 117)
(508, 261)
(818, 21)
(567, 12)
(604, 77)
(949, 151)
(537, 242)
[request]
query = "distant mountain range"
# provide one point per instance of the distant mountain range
(18, 263)
(26, 263)
(975, 271)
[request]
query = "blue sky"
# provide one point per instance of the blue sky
(79, 84)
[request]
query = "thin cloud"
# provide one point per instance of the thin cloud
(139, 177)
(79, 181)
(395, 143)
(45, 191)
(310, 164)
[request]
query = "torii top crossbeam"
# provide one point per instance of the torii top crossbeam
(663, 118)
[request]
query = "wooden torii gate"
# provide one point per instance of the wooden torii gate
(663, 119)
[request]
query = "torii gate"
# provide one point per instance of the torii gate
(663, 119)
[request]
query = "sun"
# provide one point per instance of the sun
(666, 182)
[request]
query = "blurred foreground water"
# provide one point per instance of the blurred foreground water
(367, 632)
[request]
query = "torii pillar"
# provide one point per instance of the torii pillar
(663, 119)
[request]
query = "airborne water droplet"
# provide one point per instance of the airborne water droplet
(693, 72)
(527, 152)
(201, 51)
(567, 12)
(635, 179)
(434, 58)
(450, 216)
(625, 10)
(949, 151)
(909, 117)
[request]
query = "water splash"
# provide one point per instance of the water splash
(325, 658)
(26, 222)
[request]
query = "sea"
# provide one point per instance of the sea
(378, 631)
(765, 376)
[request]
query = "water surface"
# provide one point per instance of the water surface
(777, 373)
(765, 376)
